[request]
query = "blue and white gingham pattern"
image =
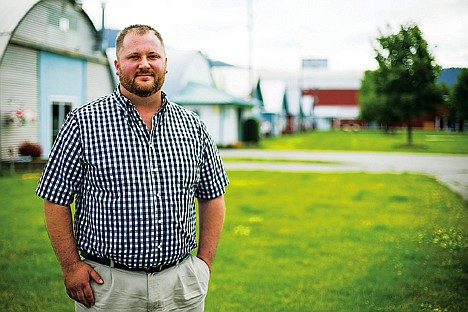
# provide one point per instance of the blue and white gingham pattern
(134, 190)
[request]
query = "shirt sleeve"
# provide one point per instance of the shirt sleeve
(62, 174)
(213, 177)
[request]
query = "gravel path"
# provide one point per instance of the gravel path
(451, 170)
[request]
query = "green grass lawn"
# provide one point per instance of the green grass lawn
(371, 140)
(291, 242)
(30, 276)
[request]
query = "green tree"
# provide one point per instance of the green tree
(406, 79)
(371, 106)
(459, 99)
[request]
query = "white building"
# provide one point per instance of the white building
(190, 83)
(50, 62)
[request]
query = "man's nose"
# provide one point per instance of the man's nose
(144, 63)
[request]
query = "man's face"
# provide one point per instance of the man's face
(141, 64)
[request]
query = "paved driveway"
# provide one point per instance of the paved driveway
(449, 169)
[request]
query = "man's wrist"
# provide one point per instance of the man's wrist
(70, 263)
(208, 262)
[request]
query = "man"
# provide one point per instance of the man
(134, 162)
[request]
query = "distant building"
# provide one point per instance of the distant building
(314, 63)
(50, 62)
(334, 108)
(335, 97)
(190, 83)
(316, 97)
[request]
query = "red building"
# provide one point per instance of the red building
(339, 107)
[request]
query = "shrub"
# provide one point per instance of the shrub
(30, 149)
(251, 131)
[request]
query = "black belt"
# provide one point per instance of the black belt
(112, 264)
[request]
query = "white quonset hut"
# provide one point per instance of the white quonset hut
(50, 62)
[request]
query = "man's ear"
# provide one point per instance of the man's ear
(116, 65)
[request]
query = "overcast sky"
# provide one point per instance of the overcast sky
(285, 31)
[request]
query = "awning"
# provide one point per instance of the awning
(199, 94)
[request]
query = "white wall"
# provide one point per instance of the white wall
(221, 122)
(336, 111)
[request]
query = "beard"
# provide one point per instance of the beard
(142, 89)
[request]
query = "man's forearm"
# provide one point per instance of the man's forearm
(76, 274)
(211, 219)
(59, 226)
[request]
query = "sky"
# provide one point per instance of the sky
(284, 32)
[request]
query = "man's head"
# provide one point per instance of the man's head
(141, 60)
(138, 29)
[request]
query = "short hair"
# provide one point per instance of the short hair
(139, 29)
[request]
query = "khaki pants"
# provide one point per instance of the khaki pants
(180, 288)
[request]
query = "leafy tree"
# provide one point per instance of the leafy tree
(406, 79)
(459, 101)
(449, 113)
(372, 108)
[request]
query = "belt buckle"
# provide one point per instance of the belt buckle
(154, 269)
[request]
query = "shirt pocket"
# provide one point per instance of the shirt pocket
(104, 176)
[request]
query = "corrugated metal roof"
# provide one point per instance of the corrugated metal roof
(11, 14)
(177, 63)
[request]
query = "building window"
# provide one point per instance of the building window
(64, 24)
(59, 112)
(59, 17)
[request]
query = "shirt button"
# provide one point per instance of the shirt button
(160, 221)
(159, 246)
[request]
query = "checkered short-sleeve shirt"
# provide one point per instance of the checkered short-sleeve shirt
(134, 189)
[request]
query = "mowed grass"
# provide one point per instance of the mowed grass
(291, 242)
(30, 278)
(371, 140)
(341, 242)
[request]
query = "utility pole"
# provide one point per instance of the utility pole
(250, 34)
(103, 26)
